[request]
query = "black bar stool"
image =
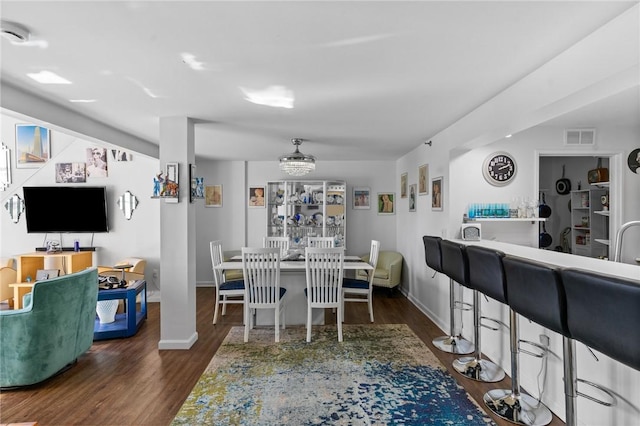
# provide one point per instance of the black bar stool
(603, 313)
(452, 343)
(534, 291)
(486, 275)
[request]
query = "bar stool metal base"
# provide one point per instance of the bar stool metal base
(519, 409)
(481, 370)
(453, 345)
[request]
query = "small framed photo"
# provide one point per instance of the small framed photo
(70, 173)
(172, 172)
(256, 196)
(213, 196)
(33, 145)
(412, 197)
(361, 198)
(121, 155)
(436, 193)
(423, 178)
(403, 185)
(386, 203)
(97, 162)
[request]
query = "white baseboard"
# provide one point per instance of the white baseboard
(178, 344)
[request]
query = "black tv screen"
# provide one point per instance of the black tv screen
(65, 209)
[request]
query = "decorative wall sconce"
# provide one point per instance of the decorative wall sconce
(127, 203)
(15, 207)
(5, 167)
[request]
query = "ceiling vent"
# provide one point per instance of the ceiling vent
(14, 32)
(580, 137)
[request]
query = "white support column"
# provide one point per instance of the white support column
(177, 240)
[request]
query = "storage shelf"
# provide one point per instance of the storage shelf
(600, 184)
(601, 241)
(508, 219)
(602, 212)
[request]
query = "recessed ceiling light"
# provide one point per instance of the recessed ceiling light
(190, 60)
(508, 136)
(82, 101)
(273, 96)
(48, 77)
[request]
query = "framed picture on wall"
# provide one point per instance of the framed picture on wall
(403, 185)
(361, 198)
(33, 145)
(386, 203)
(412, 197)
(256, 196)
(213, 196)
(436, 193)
(423, 178)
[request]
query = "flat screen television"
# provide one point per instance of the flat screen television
(65, 209)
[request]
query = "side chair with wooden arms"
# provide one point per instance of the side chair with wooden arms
(231, 292)
(324, 272)
(356, 290)
(262, 290)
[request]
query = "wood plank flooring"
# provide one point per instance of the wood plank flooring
(130, 382)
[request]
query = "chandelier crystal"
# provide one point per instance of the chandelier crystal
(297, 163)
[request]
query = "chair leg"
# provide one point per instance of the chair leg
(215, 313)
(309, 323)
(370, 303)
(277, 323)
(224, 305)
(247, 323)
(339, 325)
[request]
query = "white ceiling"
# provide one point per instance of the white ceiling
(371, 80)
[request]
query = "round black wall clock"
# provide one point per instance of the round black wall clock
(499, 168)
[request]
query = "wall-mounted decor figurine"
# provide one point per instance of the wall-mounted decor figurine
(5, 167)
(15, 207)
(127, 203)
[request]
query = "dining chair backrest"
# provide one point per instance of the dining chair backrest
(322, 242)
(454, 262)
(324, 272)
(373, 259)
(215, 249)
(432, 252)
(280, 242)
(261, 268)
(486, 272)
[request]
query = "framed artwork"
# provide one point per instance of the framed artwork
(361, 198)
(121, 155)
(403, 185)
(386, 203)
(423, 178)
(213, 196)
(97, 162)
(70, 173)
(256, 196)
(412, 197)
(436, 193)
(192, 182)
(33, 145)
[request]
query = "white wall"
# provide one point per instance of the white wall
(237, 225)
(138, 237)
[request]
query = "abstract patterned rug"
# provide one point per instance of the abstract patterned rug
(380, 374)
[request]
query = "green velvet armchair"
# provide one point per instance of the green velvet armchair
(51, 332)
(388, 270)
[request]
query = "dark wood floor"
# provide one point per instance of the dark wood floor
(130, 382)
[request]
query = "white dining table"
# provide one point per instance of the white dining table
(293, 278)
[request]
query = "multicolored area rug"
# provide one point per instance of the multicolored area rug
(379, 375)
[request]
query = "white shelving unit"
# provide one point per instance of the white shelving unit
(589, 223)
(297, 209)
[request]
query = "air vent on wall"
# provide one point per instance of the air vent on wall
(576, 137)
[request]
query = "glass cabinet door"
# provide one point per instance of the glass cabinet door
(298, 209)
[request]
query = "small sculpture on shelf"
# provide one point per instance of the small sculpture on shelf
(605, 202)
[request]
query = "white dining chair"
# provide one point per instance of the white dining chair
(324, 272)
(261, 268)
(224, 289)
(321, 242)
(355, 290)
(283, 243)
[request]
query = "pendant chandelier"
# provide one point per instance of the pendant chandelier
(297, 163)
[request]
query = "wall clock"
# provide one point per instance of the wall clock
(499, 168)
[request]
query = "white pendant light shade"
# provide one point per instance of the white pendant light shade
(297, 163)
